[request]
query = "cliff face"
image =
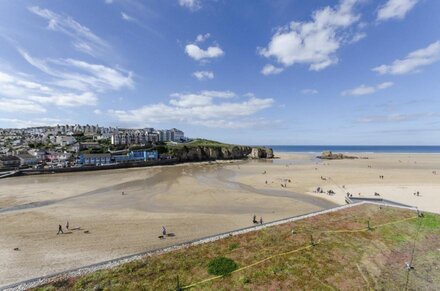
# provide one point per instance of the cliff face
(262, 153)
(206, 153)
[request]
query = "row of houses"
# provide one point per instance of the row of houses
(12, 162)
(34, 157)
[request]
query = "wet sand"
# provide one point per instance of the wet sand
(192, 201)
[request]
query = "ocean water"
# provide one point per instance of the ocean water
(351, 149)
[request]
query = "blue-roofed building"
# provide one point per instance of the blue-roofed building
(136, 156)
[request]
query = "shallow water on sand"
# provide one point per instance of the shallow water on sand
(140, 193)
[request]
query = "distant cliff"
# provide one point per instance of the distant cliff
(217, 151)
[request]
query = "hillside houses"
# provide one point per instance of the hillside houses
(62, 145)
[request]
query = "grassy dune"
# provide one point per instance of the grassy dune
(346, 256)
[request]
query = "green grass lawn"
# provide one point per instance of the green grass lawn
(201, 142)
(346, 256)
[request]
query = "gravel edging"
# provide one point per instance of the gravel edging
(31, 283)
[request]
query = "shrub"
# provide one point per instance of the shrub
(233, 246)
(221, 266)
(244, 280)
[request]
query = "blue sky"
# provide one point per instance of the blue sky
(253, 72)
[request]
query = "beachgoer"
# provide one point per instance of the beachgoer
(164, 231)
(60, 229)
(254, 220)
(261, 220)
(67, 225)
(408, 266)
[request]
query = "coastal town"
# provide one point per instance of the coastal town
(65, 146)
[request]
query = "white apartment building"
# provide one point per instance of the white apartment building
(148, 135)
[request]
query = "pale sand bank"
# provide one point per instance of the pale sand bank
(190, 200)
(404, 175)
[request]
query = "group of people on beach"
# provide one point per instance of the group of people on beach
(165, 233)
(60, 228)
(254, 220)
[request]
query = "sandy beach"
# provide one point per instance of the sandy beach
(191, 200)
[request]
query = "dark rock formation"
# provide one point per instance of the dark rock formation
(226, 152)
(328, 155)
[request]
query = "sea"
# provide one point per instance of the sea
(354, 149)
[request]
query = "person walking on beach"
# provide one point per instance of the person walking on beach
(60, 229)
(254, 219)
(164, 231)
(67, 225)
(261, 220)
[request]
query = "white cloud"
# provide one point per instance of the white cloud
(271, 70)
(206, 108)
(15, 86)
(80, 75)
(395, 9)
(29, 95)
(232, 124)
(358, 36)
(315, 42)
(68, 99)
(365, 90)
(396, 117)
(309, 91)
(83, 39)
(97, 111)
(20, 106)
(19, 123)
(192, 5)
(384, 85)
(74, 83)
(127, 17)
(413, 61)
(139, 23)
(203, 75)
(198, 99)
(202, 37)
(222, 94)
(195, 52)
